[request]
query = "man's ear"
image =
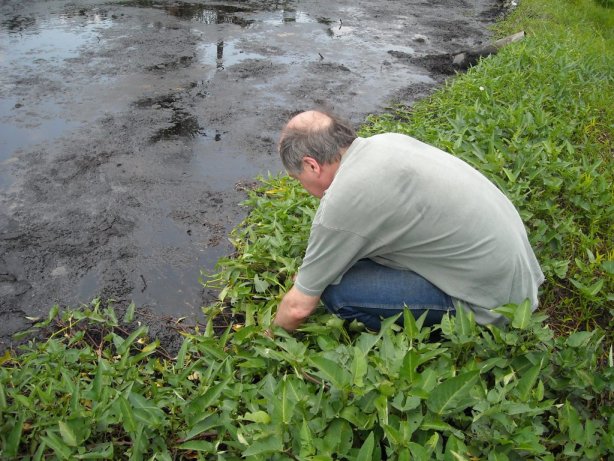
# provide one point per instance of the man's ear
(310, 164)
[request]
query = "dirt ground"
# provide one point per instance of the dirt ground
(129, 129)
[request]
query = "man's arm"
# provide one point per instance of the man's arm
(294, 308)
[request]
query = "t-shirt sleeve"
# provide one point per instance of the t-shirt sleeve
(330, 254)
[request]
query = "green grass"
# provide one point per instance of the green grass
(538, 120)
(92, 392)
(541, 129)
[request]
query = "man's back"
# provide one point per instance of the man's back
(408, 205)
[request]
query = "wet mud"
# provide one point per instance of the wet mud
(129, 129)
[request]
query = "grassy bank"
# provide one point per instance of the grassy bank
(537, 119)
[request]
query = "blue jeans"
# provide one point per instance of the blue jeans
(370, 291)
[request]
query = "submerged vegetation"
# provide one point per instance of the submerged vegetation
(537, 119)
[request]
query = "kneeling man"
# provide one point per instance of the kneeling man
(400, 224)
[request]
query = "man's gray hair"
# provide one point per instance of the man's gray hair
(324, 144)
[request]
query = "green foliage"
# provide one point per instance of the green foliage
(605, 3)
(477, 393)
(268, 246)
(537, 119)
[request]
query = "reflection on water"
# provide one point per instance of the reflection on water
(218, 14)
(28, 41)
(278, 12)
(224, 54)
(207, 14)
(58, 37)
(25, 42)
(288, 15)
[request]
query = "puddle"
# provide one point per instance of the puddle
(56, 38)
(214, 162)
(224, 54)
(18, 131)
(206, 14)
(149, 112)
(26, 44)
(287, 16)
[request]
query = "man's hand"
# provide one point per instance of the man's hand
(294, 308)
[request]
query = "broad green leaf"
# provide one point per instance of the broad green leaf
(359, 367)
(53, 313)
(57, 445)
(125, 344)
(270, 444)
(151, 347)
(331, 371)
(571, 419)
(14, 437)
(528, 380)
(306, 441)
(287, 405)
(497, 456)
(366, 341)
(455, 450)
(522, 315)
(431, 443)
(464, 324)
(404, 455)
(579, 338)
(507, 310)
(338, 437)
(97, 383)
(68, 435)
(101, 451)
(181, 355)
(388, 323)
(418, 452)
(139, 444)
(381, 404)
(260, 284)
(129, 315)
(410, 364)
(427, 380)
(198, 406)
(357, 417)
(409, 325)
(452, 395)
(2, 398)
(261, 417)
(393, 434)
(209, 422)
(526, 439)
(127, 415)
(366, 450)
(110, 313)
(432, 422)
(198, 445)
(145, 410)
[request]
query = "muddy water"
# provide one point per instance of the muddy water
(129, 129)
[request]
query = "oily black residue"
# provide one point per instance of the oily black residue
(182, 123)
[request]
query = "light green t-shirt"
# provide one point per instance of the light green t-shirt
(408, 205)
